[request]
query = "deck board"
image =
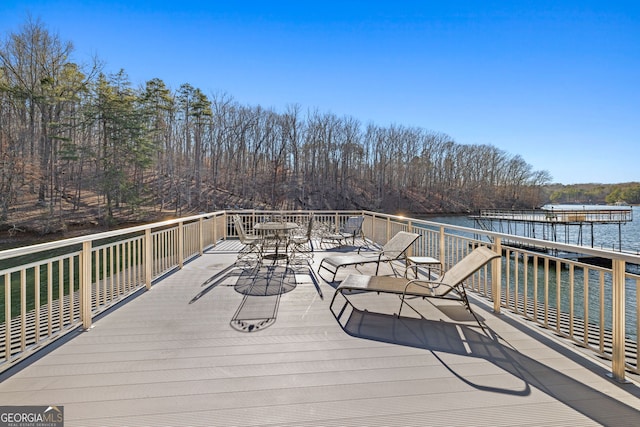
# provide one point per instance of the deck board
(165, 359)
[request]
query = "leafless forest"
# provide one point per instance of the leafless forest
(75, 139)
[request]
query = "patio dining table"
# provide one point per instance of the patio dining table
(279, 236)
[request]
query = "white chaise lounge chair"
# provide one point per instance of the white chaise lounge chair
(448, 286)
(393, 250)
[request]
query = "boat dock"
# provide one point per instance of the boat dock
(562, 225)
(554, 224)
(577, 215)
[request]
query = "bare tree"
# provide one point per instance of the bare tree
(189, 151)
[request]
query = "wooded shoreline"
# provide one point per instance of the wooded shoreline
(81, 148)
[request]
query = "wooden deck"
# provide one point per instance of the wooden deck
(263, 348)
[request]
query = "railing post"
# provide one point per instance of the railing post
(148, 258)
(225, 221)
(85, 285)
(496, 276)
(225, 229)
(181, 244)
(410, 230)
(201, 236)
(7, 315)
(441, 249)
(618, 320)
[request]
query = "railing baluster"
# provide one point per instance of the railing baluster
(49, 298)
(571, 297)
(7, 316)
(23, 309)
(546, 292)
(535, 287)
(100, 278)
(112, 284)
(60, 295)
(72, 303)
(585, 303)
(525, 293)
(36, 291)
(602, 318)
(558, 294)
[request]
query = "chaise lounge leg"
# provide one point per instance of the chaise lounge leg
(465, 300)
(401, 304)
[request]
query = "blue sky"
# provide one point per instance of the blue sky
(557, 82)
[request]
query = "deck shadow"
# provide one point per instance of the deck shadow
(262, 289)
(442, 337)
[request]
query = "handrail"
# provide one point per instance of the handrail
(602, 215)
(595, 306)
(27, 250)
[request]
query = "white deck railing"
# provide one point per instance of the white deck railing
(51, 289)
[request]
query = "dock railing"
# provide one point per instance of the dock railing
(51, 289)
(603, 215)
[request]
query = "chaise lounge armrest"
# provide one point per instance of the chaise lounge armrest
(434, 288)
